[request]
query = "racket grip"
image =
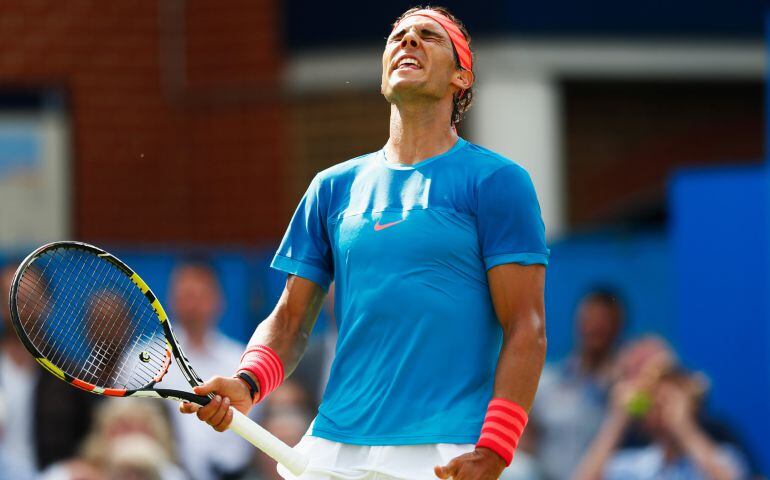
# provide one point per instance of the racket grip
(294, 461)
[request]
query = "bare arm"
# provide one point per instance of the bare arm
(680, 418)
(603, 446)
(517, 296)
(285, 330)
(705, 454)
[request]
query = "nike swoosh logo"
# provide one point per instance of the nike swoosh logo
(378, 227)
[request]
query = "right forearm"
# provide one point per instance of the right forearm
(285, 340)
(602, 448)
(704, 453)
(287, 329)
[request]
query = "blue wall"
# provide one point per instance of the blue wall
(720, 239)
(636, 265)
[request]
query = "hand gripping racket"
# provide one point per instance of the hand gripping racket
(90, 320)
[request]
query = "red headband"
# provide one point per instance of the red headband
(457, 37)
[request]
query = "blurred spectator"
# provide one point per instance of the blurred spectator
(287, 425)
(135, 457)
(35, 401)
(291, 395)
(196, 304)
(10, 468)
(666, 400)
(525, 465)
(572, 396)
(287, 416)
(131, 439)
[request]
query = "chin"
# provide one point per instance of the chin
(406, 88)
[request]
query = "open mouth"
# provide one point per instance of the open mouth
(408, 63)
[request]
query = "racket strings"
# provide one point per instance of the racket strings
(54, 337)
(102, 350)
(88, 319)
(58, 336)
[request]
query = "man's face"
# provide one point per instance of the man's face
(418, 61)
(598, 326)
(195, 297)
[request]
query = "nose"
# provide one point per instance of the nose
(410, 38)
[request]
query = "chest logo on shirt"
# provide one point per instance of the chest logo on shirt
(378, 226)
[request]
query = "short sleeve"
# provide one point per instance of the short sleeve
(305, 250)
(510, 225)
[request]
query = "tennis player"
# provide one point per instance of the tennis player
(437, 248)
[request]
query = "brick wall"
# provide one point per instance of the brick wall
(332, 127)
(176, 117)
(624, 139)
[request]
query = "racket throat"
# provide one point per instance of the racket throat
(170, 394)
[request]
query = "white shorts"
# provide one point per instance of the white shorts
(340, 461)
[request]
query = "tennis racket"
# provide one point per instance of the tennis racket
(91, 321)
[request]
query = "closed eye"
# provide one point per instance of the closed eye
(396, 37)
(430, 35)
(425, 34)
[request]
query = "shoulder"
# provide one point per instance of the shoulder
(499, 180)
(345, 170)
(487, 165)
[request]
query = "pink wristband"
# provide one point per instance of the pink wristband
(265, 365)
(503, 426)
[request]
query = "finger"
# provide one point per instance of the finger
(221, 413)
(439, 471)
(447, 471)
(187, 407)
(205, 413)
(226, 422)
(210, 386)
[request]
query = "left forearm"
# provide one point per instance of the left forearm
(521, 361)
(704, 453)
(517, 295)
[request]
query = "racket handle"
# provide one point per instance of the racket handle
(294, 461)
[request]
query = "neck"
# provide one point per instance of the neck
(419, 131)
(591, 361)
(195, 338)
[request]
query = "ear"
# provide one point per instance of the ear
(463, 79)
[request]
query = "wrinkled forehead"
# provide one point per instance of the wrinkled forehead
(419, 22)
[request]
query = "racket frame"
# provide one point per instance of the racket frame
(172, 346)
(294, 461)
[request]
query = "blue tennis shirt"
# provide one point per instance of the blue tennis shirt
(408, 247)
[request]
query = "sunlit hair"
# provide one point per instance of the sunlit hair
(462, 100)
(127, 416)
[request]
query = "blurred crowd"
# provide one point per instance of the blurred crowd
(612, 409)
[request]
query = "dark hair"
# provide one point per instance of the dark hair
(198, 262)
(607, 297)
(462, 100)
